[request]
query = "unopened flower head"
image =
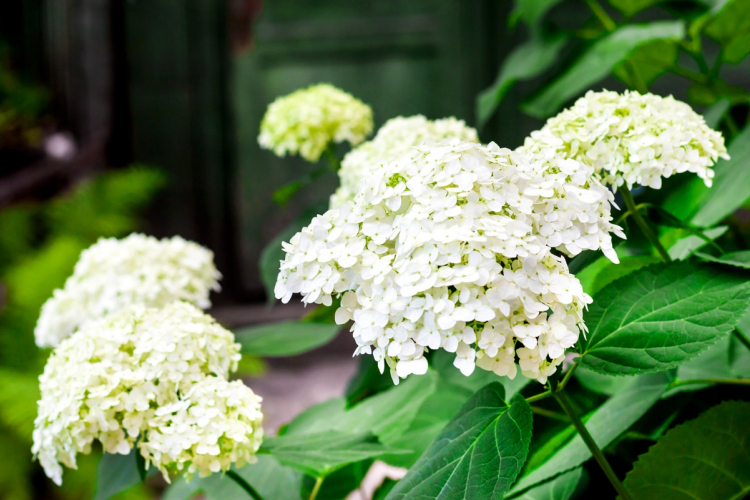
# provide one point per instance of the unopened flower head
(449, 246)
(394, 138)
(306, 121)
(113, 274)
(632, 138)
(130, 374)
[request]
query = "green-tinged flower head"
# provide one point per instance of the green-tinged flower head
(632, 138)
(397, 136)
(114, 274)
(155, 376)
(306, 121)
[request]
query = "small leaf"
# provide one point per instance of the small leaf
(563, 487)
(116, 473)
(605, 424)
(708, 457)
(525, 62)
(598, 61)
(661, 316)
(478, 454)
(322, 453)
(286, 338)
(269, 478)
(731, 186)
(737, 259)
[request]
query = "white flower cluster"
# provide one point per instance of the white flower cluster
(113, 274)
(632, 138)
(397, 136)
(307, 120)
(153, 375)
(449, 246)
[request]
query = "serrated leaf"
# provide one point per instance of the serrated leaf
(563, 487)
(526, 61)
(605, 424)
(708, 457)
(478, 454)
(598, 61)
(737, 259)
(269, 478)
(286, 338)
(612, 272)
(661, 316)
(322, 453)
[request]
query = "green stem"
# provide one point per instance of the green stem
(566, 378)
(640, 84)
(562, 398)
(549, 414)
(742, 336)
(713, 381)
(330, 153)
(601, 15)
(630, 203)
(731, 124)
(539, 397)
(316, 488)
(244, 485)
(690, 75)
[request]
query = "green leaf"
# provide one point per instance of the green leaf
(322, 453)
(614, 272)
(685, 247)
(706, 95)
(708, 457)
(605, 424)
(729, 19)
(661, 316)
(531, 11)
(269, 478)
(731, 186)
(599, 383)
(116, 473)
(647, 62)
(526, 61)
(442, 362)
(737, 49)
(630, 7)
(716, 112)
(598, 62)
(478, 455)
(739, 354)
(737, 259)
(563, 487)
(286, 338)
(273, 253)
(712, 363)
(19, 393)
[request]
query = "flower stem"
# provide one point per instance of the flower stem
(331, 156)
(539, 397)
(245, 485)
(316, 488)
(562, 398)
(549, 414)
(714, 381)
(630, 203)
(601, 15)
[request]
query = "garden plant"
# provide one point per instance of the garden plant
(565, 318)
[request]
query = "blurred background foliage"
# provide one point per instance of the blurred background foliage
(39, 245)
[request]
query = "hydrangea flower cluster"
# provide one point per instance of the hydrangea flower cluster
(113, 274)
(308, 120)
(397, 136)
(632, 138)
(449, 246)
(153, 375)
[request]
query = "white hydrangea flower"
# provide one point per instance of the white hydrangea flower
(448, 247)
(214, 425)
(108, 381)
(113, 274)
(307, 120)
(397, 136)
(632, 138)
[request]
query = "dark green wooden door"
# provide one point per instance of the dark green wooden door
(400, 57)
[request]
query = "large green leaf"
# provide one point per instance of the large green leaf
(478, 455)
(716, 112)
(563, 487)
(731, 186)
(442, 362)
(19, 393)
(117, 473)
(685, 247)
(531, 11)
(661, 316)
(605, 424)
(706, 458)
(286, 338)
(647, 62)
(713, 363)
(738, 259)
(269, 478)
(322, 453)
(526, 61)
(598, 62)
(730, 19)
